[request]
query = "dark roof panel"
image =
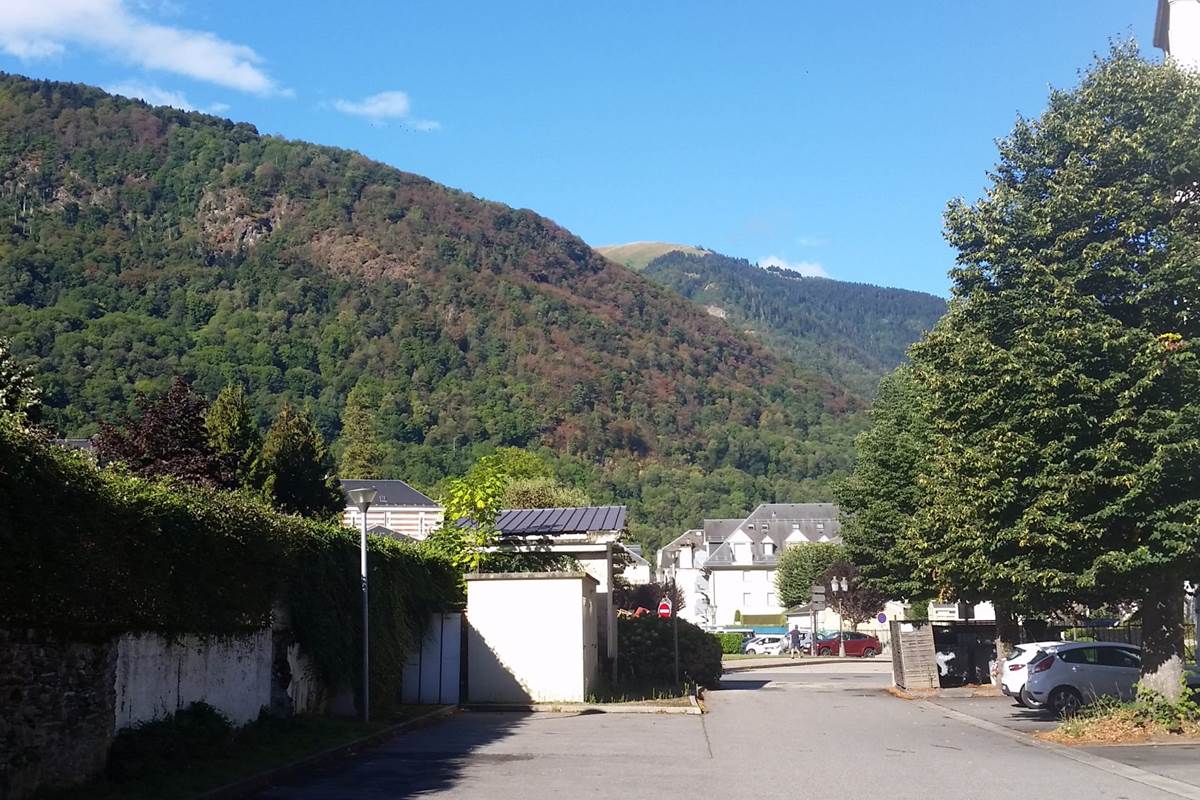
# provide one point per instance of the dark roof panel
(525, 521)
(391, 493)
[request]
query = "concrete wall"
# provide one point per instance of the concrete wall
(56, 710)
(155, 677)
(532, 637)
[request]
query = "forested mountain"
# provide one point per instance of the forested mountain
(139, 243)
(852, 333)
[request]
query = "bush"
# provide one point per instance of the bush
(647, 657)
(100, 552)
(730, 642)
(195, 731)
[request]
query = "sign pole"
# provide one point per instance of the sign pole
(675, 636)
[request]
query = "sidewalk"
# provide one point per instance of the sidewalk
(774, 662)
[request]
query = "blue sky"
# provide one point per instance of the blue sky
(824, 135)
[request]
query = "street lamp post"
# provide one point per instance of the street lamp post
(841, 585)
(362, 499)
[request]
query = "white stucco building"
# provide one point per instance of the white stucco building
(1177, 31)
(399, 510)
(727, 569)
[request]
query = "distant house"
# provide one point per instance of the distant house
(1177, 31)
(727, 569)
(638, 572)
(399, 510)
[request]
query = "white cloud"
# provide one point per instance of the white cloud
(154, 95)
(809, 269)
(31, 29)
(811, 241)
(385, 105)
(390, 105)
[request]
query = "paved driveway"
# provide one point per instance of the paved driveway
(829, 732)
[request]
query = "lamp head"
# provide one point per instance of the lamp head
(363, 498)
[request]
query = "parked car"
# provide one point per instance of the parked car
(770, 645)
(1013, 679)
(1076, 673)
(858, 644)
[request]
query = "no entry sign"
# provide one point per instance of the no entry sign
(664, 607)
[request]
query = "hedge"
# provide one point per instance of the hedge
(100, 552)
(730, 642)
(647, 657)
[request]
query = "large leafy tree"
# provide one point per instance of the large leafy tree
(167, 437)
(296, 469)
(18, 393)
(881, 500)
(1063, 384)
(233, 434)
(801, 566)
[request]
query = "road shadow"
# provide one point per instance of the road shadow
(423, 762)
(741, 685)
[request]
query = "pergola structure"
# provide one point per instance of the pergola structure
(587, 534)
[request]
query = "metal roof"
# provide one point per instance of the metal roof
(391, 493)
(524, 521)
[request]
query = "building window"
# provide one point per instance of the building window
(771, 599)
(820, 526)
(741, 552)
(769, 548)
(747, 600)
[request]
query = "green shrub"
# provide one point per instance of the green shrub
(195, 731)
(100, 552)
(647, 658)
(730, 642)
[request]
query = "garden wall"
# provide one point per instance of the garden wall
(63, 701)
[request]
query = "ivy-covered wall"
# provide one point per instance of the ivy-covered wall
(99, 552)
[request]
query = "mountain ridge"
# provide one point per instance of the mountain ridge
(143, 243)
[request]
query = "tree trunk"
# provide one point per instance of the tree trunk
(1162, 638)
(1007, 633)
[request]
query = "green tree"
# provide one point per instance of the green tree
(295, 468)
(800, 566)
(364, 453)
(472, 506)
(541, 493)
(1063, 383)
(859, 601)
(881, 500)
(18, 393)
(233, 434)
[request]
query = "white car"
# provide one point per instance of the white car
(1012, 680)
(1074, 674)
(764, 646)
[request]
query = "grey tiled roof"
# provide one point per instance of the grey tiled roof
(524, 521)
(391, 493)
(769, 522)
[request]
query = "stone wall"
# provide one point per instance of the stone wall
(63, 701)
(56, 710)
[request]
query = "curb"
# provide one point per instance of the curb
(1135, 774)
(585, 708)
(261, 780)
(736, 666)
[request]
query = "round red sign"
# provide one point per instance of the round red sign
(664, 607)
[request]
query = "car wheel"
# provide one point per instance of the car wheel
(1026, 699)
(750, 651)
(869, 652)
(1065, 701)
(824, 651)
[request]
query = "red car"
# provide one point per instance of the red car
(858, 644)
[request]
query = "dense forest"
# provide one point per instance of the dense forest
(138, 244)
(852, 333)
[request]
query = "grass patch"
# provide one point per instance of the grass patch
(197, 750)
(648, 694)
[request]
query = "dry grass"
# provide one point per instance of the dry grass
(1121, 725)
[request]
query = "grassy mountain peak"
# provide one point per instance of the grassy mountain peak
(636, 255)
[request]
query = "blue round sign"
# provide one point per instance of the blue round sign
(882, 617)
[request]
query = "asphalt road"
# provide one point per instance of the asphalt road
(829, 731)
